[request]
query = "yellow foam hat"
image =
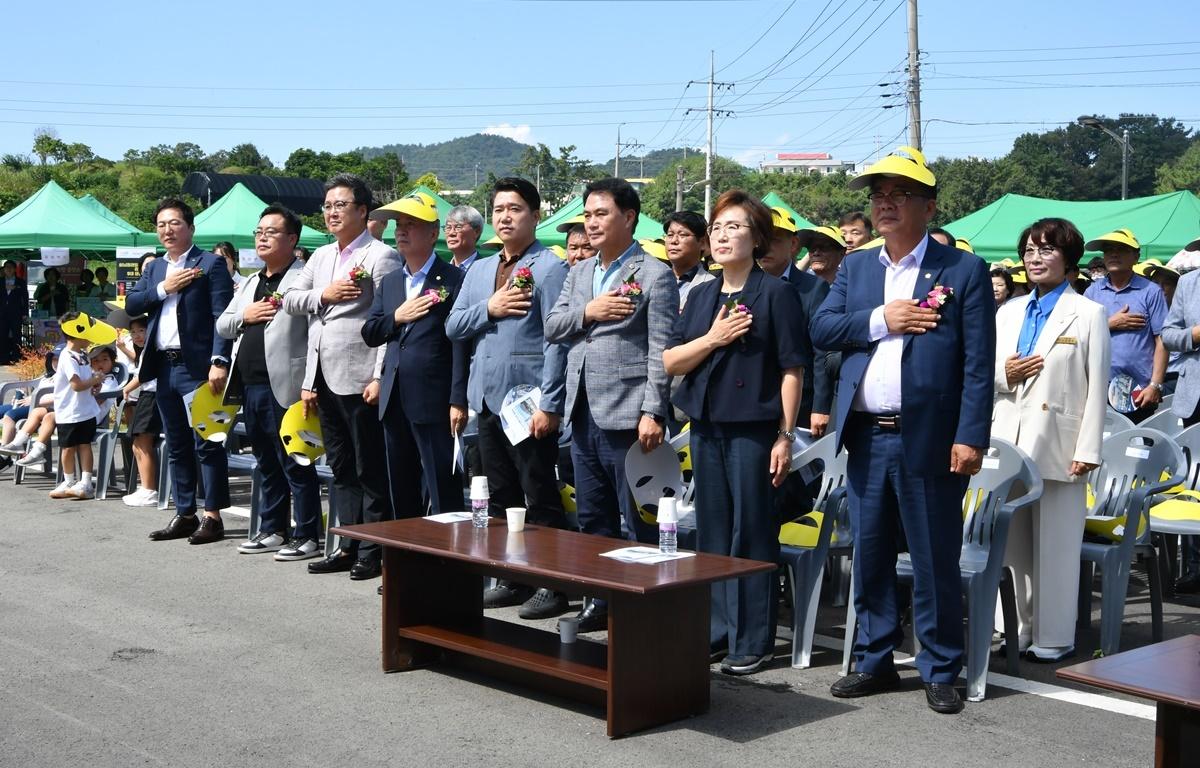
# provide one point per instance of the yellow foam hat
(1007, 263)
(963, 244)
(1116, 237)
(904, 162)
(809, 235)
(782, 219)
(665, 471)
(493, 240)
(89, 329)
(869, 245)
(302, 438)
(559, 252)
(655, 248)
(1018, 275)
(211, 417)
(418, 205)
(569, 224)
(1153, 270)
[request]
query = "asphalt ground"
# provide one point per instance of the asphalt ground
(118, 651)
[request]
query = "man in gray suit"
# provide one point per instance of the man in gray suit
(269, 351)
(616, 311)
(335, 292)
(1181, 334)
(499, 311)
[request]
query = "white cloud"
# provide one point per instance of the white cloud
(519, 133)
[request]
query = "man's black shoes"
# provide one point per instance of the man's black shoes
(366, 569)
(857, 684)
(593, 618)
(180, 527)
(337, 562)
(943, 698)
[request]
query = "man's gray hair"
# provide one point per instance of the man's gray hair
(466, 214)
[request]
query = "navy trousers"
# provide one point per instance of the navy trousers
(889, 504)
(735, 516)
(184, 445)
(283, 480)
(520, 475)
(420, 462)
(602, 495)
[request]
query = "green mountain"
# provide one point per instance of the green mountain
(649, 165)
(457, 162)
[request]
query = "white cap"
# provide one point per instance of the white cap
(666, 510)
(479, 487)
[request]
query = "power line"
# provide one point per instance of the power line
(1066, 47)
(758, 40)
(1078, 58)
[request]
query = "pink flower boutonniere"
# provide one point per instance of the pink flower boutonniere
(523, 278)
(630, 286)
(276, 299)
(438, 294)
(358, 274)
(734, 304)
(939, 297)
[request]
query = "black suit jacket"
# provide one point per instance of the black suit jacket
(818, 383)
(431, 369)
(14, 304)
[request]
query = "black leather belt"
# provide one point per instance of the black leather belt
(174, 355)
(886, 421)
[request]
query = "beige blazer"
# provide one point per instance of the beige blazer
(1056, 416)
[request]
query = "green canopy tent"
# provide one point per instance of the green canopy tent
(443, 209)
(52, 218)
(1163, 224)
(547, 232)
(234, 217)
(100, 208)
(772, 200)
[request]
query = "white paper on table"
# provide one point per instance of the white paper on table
(187, 407)
(458, 453)
(450, 517)
(644, 555)
(516, 414)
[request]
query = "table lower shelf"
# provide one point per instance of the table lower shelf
(583, 662)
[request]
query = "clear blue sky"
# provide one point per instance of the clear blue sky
(805, 74)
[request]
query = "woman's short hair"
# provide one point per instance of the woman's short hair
(758, 214)
(1007, 278)
(1059, 233)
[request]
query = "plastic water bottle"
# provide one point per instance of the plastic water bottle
(479, 502)
(668, 526)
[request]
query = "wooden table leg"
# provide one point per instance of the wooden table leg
(1176, 735)
(422, 589)
(657, 658)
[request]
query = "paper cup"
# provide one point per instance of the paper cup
(516, 518)
(568, 629)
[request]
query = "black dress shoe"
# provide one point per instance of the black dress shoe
(858, 684)
(180, 527)
(506, 594)
(943, 698)
(211, 529)
(371, 568)
(338, 562)
(1188, 585)
(545, 604)
(593, 618)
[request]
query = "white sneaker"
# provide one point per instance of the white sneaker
(63, 490)
(17, 446)
(299, 549)
(82, 491)
(142, 497)
(263, 542)
(36, 455)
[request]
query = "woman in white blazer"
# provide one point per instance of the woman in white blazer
(1052, 364)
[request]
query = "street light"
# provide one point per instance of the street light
(1091, 121)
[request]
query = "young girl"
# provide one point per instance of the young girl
(12, 442)
(76, 410)
(144, 426)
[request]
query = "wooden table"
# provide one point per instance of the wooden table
(655, 667)
(1167, 673)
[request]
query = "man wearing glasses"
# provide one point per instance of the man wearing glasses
(914, 414)
(341, 374)
(463, 227)
(266, 370)
(183, 294)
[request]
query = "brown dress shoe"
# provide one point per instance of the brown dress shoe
(180, 527)
(211, 529)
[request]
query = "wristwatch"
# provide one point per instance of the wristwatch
(790, 434)
(1156, 385)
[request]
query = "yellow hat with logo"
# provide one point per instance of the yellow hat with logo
(904, 162)
(1144, 268)
(655, 248)
(418, 205)
(89, 329)
(815, 234)
(1007, 263)
(570, 223)
(302, 438)
(963, 244)
(1018, 275)
(1116, 237)
(211, 417)
(781, 218)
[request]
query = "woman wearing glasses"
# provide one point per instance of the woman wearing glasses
(1052, 359)
(742, 366)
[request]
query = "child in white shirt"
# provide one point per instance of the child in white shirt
(76, 410)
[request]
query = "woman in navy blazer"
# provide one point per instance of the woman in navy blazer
(743, 370)
(14, 306)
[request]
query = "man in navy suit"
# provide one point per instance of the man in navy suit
(425, 406)
(914, 412)
(183, 294)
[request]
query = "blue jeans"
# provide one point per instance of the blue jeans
(735, 516)
(283, 479)
(184, 445)
(601, 493)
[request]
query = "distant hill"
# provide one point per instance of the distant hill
(454, 161)
(649, 165)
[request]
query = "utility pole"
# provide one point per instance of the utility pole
(712, 86)
(623, 145)
(538, 185)
(679, 187)
(914, 79)
(476, 174)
